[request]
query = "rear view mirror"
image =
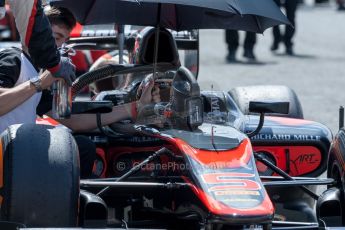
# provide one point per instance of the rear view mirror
(269, 107)
(266, 107)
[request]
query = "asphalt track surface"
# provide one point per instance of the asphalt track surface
(316, 73)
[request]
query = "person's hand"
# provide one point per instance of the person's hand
(66, 71)
(148, 91)
(156, 98)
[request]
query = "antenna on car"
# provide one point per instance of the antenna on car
(341, 117)
(155, 58)
(120, 40)
(212, 119)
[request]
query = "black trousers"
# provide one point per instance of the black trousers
(290, 7)
(87, 155)
(232, 39)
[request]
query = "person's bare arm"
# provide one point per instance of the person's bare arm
(87, 122)
(10, 98)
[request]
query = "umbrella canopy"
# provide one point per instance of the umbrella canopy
(248, 15)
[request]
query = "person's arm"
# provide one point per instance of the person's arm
(37, 39)
(10, 98)
(87, 122)
(12, 95)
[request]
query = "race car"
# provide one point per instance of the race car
(196, 160)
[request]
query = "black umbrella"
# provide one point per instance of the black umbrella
(248, 15)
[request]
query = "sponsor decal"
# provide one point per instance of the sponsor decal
(286, 137)
(231, 182)
(306, 137)
(253, 227)
(297, 160)
(306, 158)
(215, 108)
(237, 184)
(140, 139)
(215, 115)
(216, 178)
(236, 192)
(240, 200)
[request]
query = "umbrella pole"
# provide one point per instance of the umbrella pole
(121, 41)
(155, 57)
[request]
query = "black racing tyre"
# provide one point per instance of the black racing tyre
(40, 176)
(243, 95)
(335, 169)
(334, 173)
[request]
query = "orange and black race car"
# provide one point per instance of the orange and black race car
(243, 159)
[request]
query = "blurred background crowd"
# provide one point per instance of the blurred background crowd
(280, 37)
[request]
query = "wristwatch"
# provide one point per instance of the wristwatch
(36, 82)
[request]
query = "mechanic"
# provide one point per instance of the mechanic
(62, 22)
(21, 85)
(290, 7)
(18, 77)
(232, 37)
